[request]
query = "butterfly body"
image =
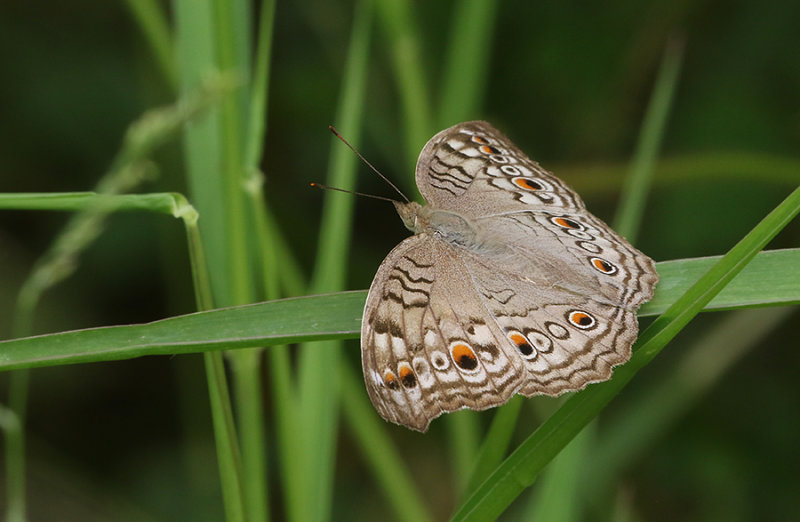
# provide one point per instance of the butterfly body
(508, 285)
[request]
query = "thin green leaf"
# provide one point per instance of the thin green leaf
(637, 183)
(559, 496)
(170, 203)
(633, 430)
(153, 24)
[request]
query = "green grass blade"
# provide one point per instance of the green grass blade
(196, 50)
(338, 316)
(388, 466)
(170, 203)
(204, 40)
(633, 430)
(467, 61)
(228, 454)
(153, 24)
(319, 365)
(560, 496)
(250, 386)
(495, 443)
(231, 129)
(637, 183)
(238, 117)
(12, 422)
(463, 436)
(523, 466)
(757, 285)
(260, 88)
(397, 19)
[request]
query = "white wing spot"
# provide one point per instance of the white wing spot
(399, 347)
(540, 341)
(557, 331)
(382, 341)
(431, 339)
(440, 361)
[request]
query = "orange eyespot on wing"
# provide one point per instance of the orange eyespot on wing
(527, 184)
(407, 376)
(566, 223)
(581, 319)
(390, 380)
(522, 344)
(602, 265)
(464, 356)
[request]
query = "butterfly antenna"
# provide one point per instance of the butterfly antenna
(362, 158)
(327, 187)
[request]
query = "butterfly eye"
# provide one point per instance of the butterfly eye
(480, 139)
(527, 184)
(581, 319)
(488, 149)
(603, 266)
(464, 356)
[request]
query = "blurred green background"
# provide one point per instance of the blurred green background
(567, 81)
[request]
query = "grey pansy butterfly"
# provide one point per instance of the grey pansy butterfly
(508, 286)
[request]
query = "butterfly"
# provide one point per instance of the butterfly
(508, 285)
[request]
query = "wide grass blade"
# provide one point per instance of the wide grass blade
(773, 278)
(215, 35)
(319, 365)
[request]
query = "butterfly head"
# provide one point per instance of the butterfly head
(412, 214)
